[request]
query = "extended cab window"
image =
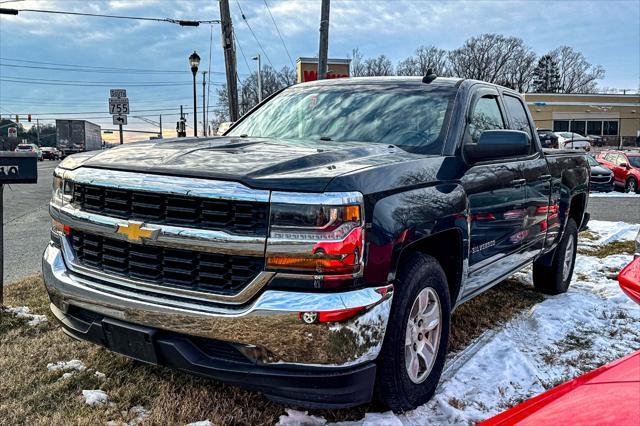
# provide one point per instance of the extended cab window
(485, 115)
(409, 116)
(518, 115)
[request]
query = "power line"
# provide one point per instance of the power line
(91, 68)
(244, 18)
(182, 22)
(95, 82)
(40, 67)
(279, 34)
(242, 53)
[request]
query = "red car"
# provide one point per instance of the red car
(625, 166)
(609, 395)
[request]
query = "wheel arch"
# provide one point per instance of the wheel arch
(447, 247)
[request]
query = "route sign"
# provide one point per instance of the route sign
(119, 119)
(118, 106)
(12, 132)
(118, 93)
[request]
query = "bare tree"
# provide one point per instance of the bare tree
(577, 75)
(380, 65)
(357, 63)
(494, 58)
(425, 57)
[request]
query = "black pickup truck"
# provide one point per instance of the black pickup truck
(317, 249)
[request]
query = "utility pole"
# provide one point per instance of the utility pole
(257, 58)
(121, 137)
(229, 58)
(161, 137)
(324, 40)
(204, 105)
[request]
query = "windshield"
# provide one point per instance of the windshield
(409, 116)
(592, 161)
(634, 160)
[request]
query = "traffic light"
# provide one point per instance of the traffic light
(29, 118)
(17, 118)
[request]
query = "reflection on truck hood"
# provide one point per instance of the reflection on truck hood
(257, 162)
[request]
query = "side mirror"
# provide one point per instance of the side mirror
(624, 165)
(495, 144)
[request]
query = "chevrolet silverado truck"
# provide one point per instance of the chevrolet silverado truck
(315, 251)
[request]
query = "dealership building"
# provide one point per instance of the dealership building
(615, 117)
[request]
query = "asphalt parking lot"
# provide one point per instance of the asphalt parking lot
(27, 222)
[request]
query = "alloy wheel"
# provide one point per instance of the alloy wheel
(423, 335)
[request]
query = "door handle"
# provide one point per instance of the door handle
(518, 182)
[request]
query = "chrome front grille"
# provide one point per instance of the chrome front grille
(233, 216)
(171, 268)
(208, 241)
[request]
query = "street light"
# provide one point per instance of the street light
(194, 61)
(257, 58)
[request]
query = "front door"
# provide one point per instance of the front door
(496, 193)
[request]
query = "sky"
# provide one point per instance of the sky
(158, 78)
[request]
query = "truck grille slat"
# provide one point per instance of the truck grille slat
(233, 216)
(169, 267)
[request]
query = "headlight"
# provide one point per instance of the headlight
(316, 233)
(62, 190)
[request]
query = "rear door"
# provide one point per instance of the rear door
(620, 173)
(496, 194)
(537, 177)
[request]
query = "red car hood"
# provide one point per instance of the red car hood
(629, 280)
(609, 395)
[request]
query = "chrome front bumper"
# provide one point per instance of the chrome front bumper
(268, 329)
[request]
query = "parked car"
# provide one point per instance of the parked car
(567, 136)
(608, 395)
(318, 248)
(601, 177)
(548, 139)
(30, 147)
(580, 144)
(50, 153)
(596, 140)
(625, 166)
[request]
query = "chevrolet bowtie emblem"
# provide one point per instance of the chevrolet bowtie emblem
(135, 231)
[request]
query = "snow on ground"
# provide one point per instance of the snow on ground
(73, 365)
(25, 312)
(614, 194)
(558, 339)
(94, 397)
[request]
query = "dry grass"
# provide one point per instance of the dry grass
(615, 247)
(33, 395)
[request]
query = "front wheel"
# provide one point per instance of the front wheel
(415, 344)
(632, 186)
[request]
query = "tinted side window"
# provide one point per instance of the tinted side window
(518, 115)
(486, 115)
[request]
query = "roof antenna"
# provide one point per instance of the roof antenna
(429, 77)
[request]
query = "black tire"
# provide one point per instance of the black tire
(551, 279)
(394, 387)
(631, 185)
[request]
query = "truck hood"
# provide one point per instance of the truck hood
(256, 162)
